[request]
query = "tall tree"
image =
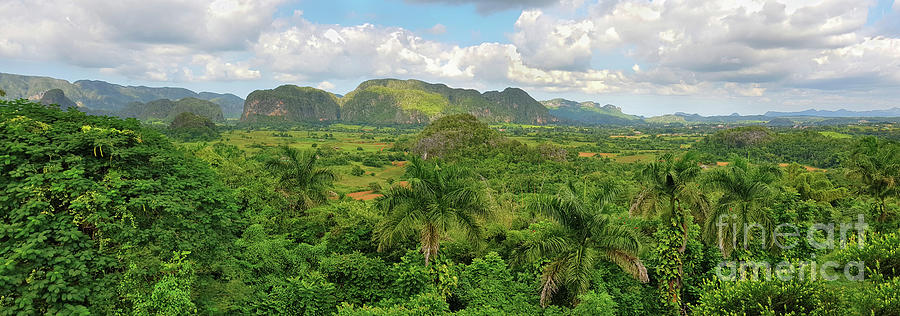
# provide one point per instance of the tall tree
(876, 165)
(746, 189)
(437, 198)
(583, 236)
(668, 184)
(668, 181)
(299, 178)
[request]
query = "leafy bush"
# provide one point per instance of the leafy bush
(358, 279)
(775, 297)
(309, 295)
(357, 171)
(488, 283)
(374, 161)
(422, 304)
(880, 252)
(593, 303)
(84, 198)
(881, 299)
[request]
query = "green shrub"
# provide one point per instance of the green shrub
(488, 283)
(309, 295)
(881, 299)
(359, 279)
(775, 297)
(357, 171)
(594, 303)
(880, 252)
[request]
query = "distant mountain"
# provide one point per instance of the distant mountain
(685, 118)
(102, 96)
(588, 112)
(292, 103)
(58, 97)
(780, 122)
(392, 101)
(167, 110)
(666, 119)
(893, 112)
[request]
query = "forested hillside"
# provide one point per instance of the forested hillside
(107, 98)
(291, 104)
(589, 113)
(391, 101)
(167, 110)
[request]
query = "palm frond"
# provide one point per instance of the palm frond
(630, 263)
(551, 280)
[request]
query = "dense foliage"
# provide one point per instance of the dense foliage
(93, 209)
(101, 215)
(189, 126)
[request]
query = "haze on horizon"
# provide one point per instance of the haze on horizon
(649, 57)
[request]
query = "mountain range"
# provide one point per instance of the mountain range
(893, 112)
(108, 98)
(588, 112)
(377, 101)
(393, 101)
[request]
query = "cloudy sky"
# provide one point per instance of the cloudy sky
(649, 57)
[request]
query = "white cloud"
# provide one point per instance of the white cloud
(437, 29)
(491, 6)
(325, 85)
(743, 49)
(152, 40)
(548, 43)
(759, 42)
(218, 70)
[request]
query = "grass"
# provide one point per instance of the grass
(352, 138)
(251, 140)
(348, 183)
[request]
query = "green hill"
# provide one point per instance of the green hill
(459, 135)
(588, 112)
(58, 97)
(395, 101)
(167, 110)
(666, 119)
(292, 103)
(392, 101)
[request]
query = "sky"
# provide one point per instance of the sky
(648, 57)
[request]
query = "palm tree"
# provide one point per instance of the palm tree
(877, 166)
(299, 177)
(746, 190)
(583, 235)
(438, 198)
(668, 183)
